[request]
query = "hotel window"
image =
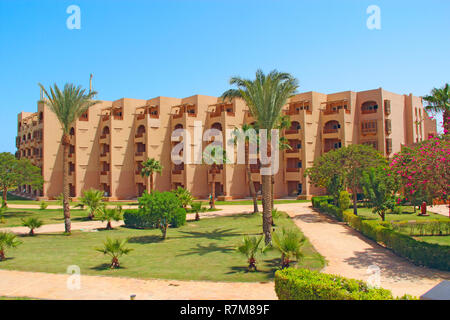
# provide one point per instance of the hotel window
(387, 107)
(369, 107)
(388, 126)
(371, 143)
(299, 164)
(369, 126)
(85, 116)
(388, 146)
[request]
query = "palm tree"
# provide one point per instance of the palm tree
(184, 196)
(32, 224)
(7, 240)
(92, 199)
(68, 105)
(197, 207)
(239, 134)
(215, 156)
(250, 247)
(149, 167)
(289, 242)
(439, 101)
(265, 97)
(109, 215)
(115, 248)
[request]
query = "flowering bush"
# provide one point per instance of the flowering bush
(424, 170)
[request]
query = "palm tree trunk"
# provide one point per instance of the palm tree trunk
(267, 208)
(355, 207)
(250, 182)
(151, 182)
(2, 255)
(66, 192)
(213, 191)
(5, 197)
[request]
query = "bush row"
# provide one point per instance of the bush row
(303, 284)
(422, 228)
(419, 252)
(318, 199)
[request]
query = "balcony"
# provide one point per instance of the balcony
(218, 177)
(330, 130)
(104, 156)
(105, 177)
(139, 155)
(105, 117)
(292, 174)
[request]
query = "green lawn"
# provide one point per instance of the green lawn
(442, 240)
(13, 217)
(203, 250)
(407, 214)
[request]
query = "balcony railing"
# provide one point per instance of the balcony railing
(291, 131)
(105, 117)
(139, 135)
(104, 173)
(292, 169)
(140, 116)
(330, 130)
(139, 153)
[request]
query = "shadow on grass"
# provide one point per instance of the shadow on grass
(268, 274)
(201, 250)
(216, 234)
(146, 239)
(105, 266)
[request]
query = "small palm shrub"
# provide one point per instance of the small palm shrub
(197, 207)
(92, 199)
(43, 205)
(184, 196)
(289, 242)
(32, 223)
(109, 215)
(7, 240)
(115, 248)
(250, 247)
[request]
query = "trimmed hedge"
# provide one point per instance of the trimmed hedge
(134, 218)
(319, 199)
(303, 284)
(419, 252)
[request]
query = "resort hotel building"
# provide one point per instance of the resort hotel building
(109, 143)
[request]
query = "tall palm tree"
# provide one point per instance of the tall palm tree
(265, 97)
(439, 101)
(240, 134)
(68, 105)
(149, 167)
(215, 156)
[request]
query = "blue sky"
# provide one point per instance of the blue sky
(143, 49)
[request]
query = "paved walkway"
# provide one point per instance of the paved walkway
(441, 209)
(347, 253)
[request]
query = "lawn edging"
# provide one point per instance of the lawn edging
(419, 252)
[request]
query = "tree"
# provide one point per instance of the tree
(289, 242)
(149, 167)
(14, 173)
(197, 207)
(424, 169)
(243, 134)
(160, 209)
(347, 165)
(184, 196)
(379, 189)
(7, 240)
(68, 105)
(115, 249)
(250, 247)
(109, 215)
(93, 200)
(439, 101)
(32, 224)
(344, 200)
(215, 156)
(265, 97)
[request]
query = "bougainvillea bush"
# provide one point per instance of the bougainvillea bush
(424, 169)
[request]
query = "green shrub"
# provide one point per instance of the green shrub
(303, 284)
(317, 200)
(344, 200)
(43, 205)
(179, 218)
(419, 252)
(133, 218)
(331, 210)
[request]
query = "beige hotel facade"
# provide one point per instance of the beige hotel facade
(109, 143)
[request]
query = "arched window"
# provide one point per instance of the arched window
(331, 126)
(369, 107)
(72, 131)
(141, 130)
(105, 130)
